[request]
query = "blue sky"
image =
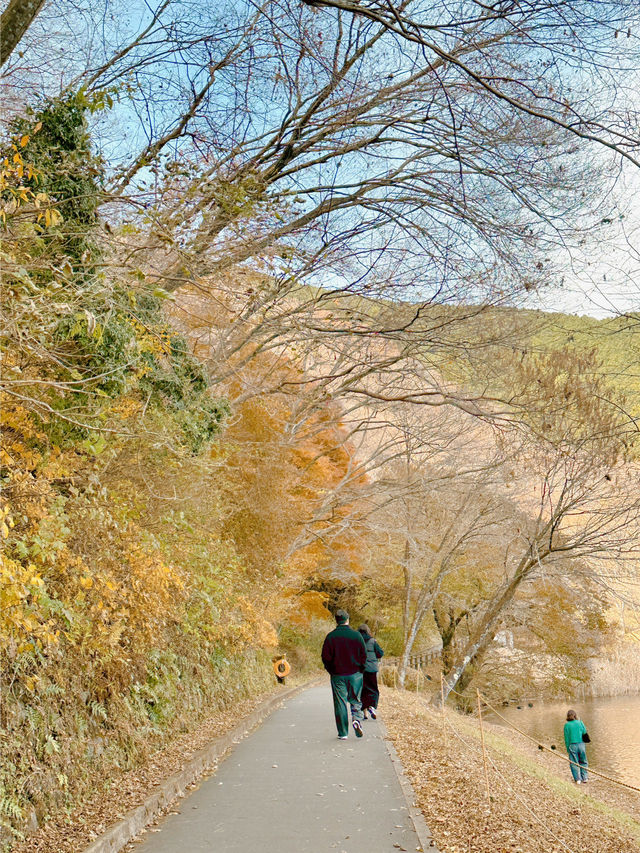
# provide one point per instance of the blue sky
(600, 280)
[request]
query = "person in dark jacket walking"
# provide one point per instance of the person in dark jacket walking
(344, 656)
(370, 692)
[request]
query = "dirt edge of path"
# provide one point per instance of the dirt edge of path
(427, 844)
(113, 816)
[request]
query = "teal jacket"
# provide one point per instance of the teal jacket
(573, 730)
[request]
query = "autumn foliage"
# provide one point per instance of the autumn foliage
(194, 476)
(150, 558)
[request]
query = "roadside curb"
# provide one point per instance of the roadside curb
(427, 844)
(135, 821)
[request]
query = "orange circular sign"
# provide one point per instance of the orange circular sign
(281, 668)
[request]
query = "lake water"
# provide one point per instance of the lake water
(613, 724)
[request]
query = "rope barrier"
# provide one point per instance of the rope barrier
(559, 754)
(542, 746)
(462, 695)
(514, 791)
(528, 808)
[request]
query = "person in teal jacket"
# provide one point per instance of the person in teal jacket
(573, 731)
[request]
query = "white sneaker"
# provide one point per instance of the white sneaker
(578, 782)
(372, 712)
(342, 737)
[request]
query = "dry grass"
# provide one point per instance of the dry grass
(534, 806)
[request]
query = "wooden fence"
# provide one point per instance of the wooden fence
(426, 657)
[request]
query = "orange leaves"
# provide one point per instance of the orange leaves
(74, 577)
(17, 418)
(126, 407)
(307, 606)
(259, 630)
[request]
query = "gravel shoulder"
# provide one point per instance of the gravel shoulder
(534, 807)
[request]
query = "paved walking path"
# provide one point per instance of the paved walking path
(293, 787)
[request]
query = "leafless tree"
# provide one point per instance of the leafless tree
(574, 481)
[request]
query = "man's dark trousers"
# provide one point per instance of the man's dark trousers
(346, 690)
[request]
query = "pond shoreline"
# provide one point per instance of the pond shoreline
(610, 720)
(533, 804)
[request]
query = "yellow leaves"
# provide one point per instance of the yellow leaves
(86, 582)
(6, 521)
(13, 171)
(254, 628)
(23, 615)
(157, 343)
(18, 419)
(127, 407)
(52, 217)
(26, 137)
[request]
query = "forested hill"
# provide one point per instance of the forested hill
(616, 341)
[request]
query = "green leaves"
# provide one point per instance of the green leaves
(94, 445)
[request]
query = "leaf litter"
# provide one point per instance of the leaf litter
(532, 809)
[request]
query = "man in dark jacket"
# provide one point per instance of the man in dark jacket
(344, 656)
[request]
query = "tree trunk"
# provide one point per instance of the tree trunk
(448, 652)
(422, 605)
(406, 610)
(406, 651)
(447, 625)
(478, 645)
(16, 20)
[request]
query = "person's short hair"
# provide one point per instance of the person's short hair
(364, 629)
(341, 617)
(571, 715)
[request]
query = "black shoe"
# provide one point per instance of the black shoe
(357, 727)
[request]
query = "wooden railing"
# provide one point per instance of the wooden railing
(422, 658)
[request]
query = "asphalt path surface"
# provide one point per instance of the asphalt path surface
(293, 787)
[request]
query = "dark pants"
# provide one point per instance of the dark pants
(370, 692)
(346, 691)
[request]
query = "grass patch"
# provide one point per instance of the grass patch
(566, 789)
